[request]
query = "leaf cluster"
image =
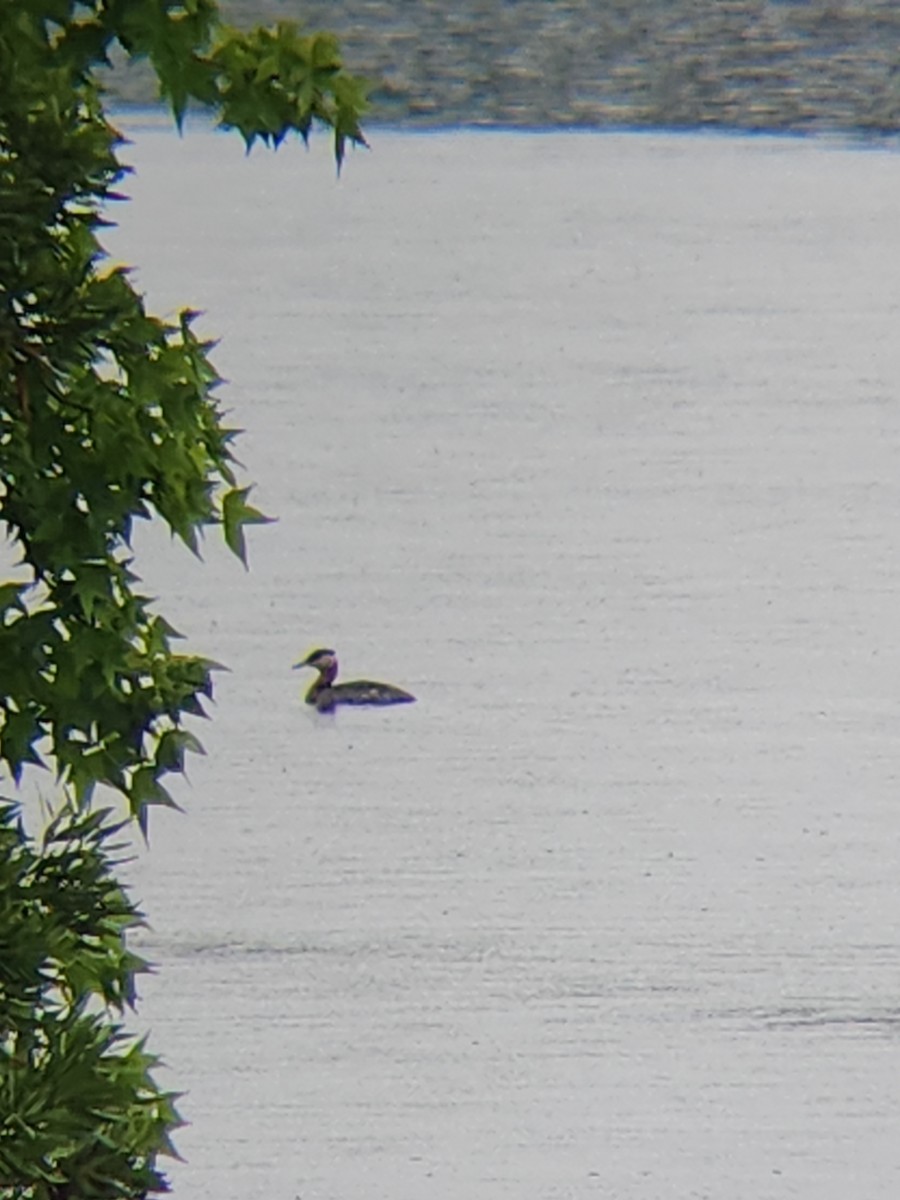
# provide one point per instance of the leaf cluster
(263, 82)
(108, 414)
(80, 1113)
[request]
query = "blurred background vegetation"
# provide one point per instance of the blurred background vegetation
(749, 64)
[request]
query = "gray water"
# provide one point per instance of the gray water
(592, 443)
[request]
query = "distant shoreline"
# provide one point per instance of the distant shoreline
(751, 65)
(158, 116)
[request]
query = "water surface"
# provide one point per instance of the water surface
(592, 443)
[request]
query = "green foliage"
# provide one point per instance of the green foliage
(108, 415)
(236, 513)
(80, 1113)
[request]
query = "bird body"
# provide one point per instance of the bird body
(326, 695)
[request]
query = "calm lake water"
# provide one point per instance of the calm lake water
(593, 443)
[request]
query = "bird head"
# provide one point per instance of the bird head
(319, 660)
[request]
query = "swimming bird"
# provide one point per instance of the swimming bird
(325, 694)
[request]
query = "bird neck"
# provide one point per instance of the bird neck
(326, 677)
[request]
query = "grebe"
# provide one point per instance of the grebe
(325, 694)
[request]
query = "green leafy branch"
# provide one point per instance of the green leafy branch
(80, 1112)
(264, 83)
(108, 416)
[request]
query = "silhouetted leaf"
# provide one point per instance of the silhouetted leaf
(236, 513)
